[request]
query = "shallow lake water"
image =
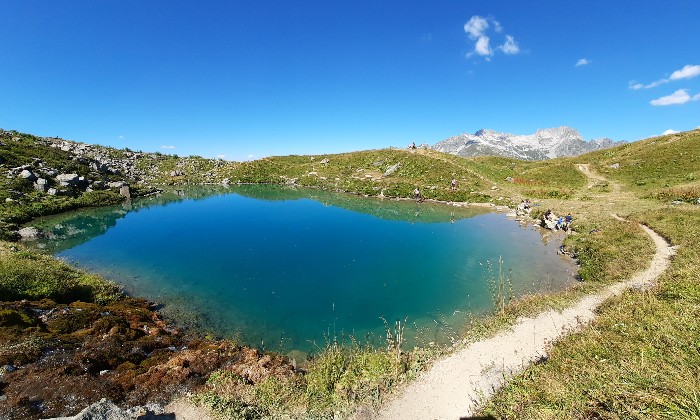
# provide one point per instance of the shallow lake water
(289, 269)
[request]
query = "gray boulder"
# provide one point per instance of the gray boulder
(41, 185)
(28, 175)
(67, 180)
(125, 191)
(29, 232)
(391, 169)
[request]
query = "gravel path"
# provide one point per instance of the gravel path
(454, 386)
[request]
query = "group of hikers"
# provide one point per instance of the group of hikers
(551, 221)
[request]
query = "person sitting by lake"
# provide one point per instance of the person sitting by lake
(549, 220)
(567, 221)
(560, 223)
(416, 194)
(524, 206)
(454, 184)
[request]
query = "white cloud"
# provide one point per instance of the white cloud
(250, 157)
(669, 131)
(220, 156)
(686, 72)
(582, 62)
(678, 97)
(482, 46)
(167, 147)
(481, 29)
(121, 137)
(476, 26)
(510, 46)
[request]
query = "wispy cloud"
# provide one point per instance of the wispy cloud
(636, 86)
(669, 131)
(582, 62)
(221, 157)
(478, 27)
(510, 46)
(687, 72)
(679, 97)
(167, 147)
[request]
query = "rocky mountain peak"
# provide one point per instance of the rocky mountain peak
(545, 143)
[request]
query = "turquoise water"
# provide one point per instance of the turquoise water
(290, 269)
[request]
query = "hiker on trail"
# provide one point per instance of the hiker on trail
(416, 194)
(454, 184)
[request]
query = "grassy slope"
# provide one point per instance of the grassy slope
(341, 377)
(640, 358)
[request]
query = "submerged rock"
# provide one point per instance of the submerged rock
(29, 232)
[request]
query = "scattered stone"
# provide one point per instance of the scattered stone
(325, 161)
(102, 409)
(510, 179)
(67, 180)
(125, 191)
(29, 232)
(116, 184)
(615, 166)
(494, 188)
(28, 175)
(391, 169)
(41, 185)
(52, 191)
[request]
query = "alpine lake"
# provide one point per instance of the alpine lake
(288, 269)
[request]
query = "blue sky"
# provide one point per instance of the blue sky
(248, 79)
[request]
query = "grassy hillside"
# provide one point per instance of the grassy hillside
(639, 359)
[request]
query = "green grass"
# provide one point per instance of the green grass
(32, 276)
(655, 164)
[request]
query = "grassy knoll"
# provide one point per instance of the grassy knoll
(638, 359)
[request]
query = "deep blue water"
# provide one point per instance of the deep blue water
(291, 271)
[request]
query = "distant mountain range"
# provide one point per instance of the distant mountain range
(546, 143)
